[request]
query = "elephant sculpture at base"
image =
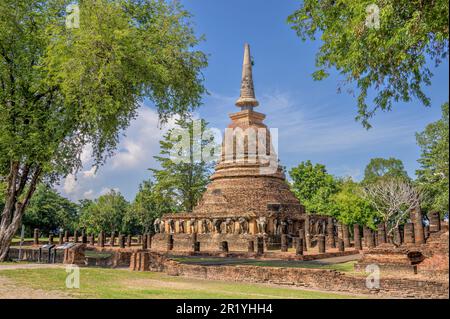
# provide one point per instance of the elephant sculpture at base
(156, 225)
(261, 223)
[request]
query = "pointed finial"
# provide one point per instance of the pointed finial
(247, 100)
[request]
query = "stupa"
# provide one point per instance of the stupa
(248, 195)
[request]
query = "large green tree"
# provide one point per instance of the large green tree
(148, 205)
(185, 160)
(66, 85)
(351, 207)
(314, 187)
(385, 47)
(379, 168)
(433, 174)
(107, 213)
(49, 212)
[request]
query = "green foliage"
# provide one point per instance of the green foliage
(384, 168)
(49, 212)
(106, 213)
(350, 207)
(148, 205)
(184, 171)
(433, 174)
(313, 186)
(391, 60)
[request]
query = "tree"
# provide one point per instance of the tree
(63, 86)
(384, 47)
(106, 213)
(313, 186)
(433, 174)
(384, 168)
(49, 212)
(185, 163)
(350, 206)
(148, 205)
(395, 199)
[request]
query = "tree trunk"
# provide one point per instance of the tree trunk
(13, 211)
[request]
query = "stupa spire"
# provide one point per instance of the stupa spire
(247, 100)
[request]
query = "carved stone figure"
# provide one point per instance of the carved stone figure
(229, 223)
(290, 226)
(156, 225)
(275, 226)
(283, 228)
(261, 223)
(243, 225)
(192, 222)
(162, 228)
(171, 224)
(204, 226)
(181, 226)
(217, 223)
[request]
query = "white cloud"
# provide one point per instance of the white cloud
(127, 167)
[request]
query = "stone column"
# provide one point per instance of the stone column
(346, 235)
(408, 233)
(66, 236)
(129, 240)
(36, 237)
(340, 231)
(101, 239)
(260, 245)
(381, 233)
(357, 237)
(92, 240)
(321, 243)
(83, 237)
(426, 231)
(169, 242)
(140, 239)
(299, 247)
(419, 235)
(435, 222)
(144, 241)
(50, 239)
(341, 245)
(121, 241)
(397, 236)
(224, 246)
(302, 235)
(193, 240)
(149, 241)
(61, 238)
(75, 236)
(251, 246)
(284, 243)
(112, 240)
(330, 233)
(370, 239)
(307, 234)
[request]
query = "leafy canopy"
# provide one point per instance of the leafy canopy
(185, 166)
(433, 173)
(49, 212)
(313, 186)
(62, 88)
(379, 168)
(106, 213)
(392, 61)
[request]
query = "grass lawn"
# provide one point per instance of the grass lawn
(120, 283)
(344, 267)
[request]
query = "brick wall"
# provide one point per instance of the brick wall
(329, 280)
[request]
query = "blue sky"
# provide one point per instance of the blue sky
(314, 121)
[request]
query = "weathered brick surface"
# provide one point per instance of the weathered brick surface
(303, 277)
